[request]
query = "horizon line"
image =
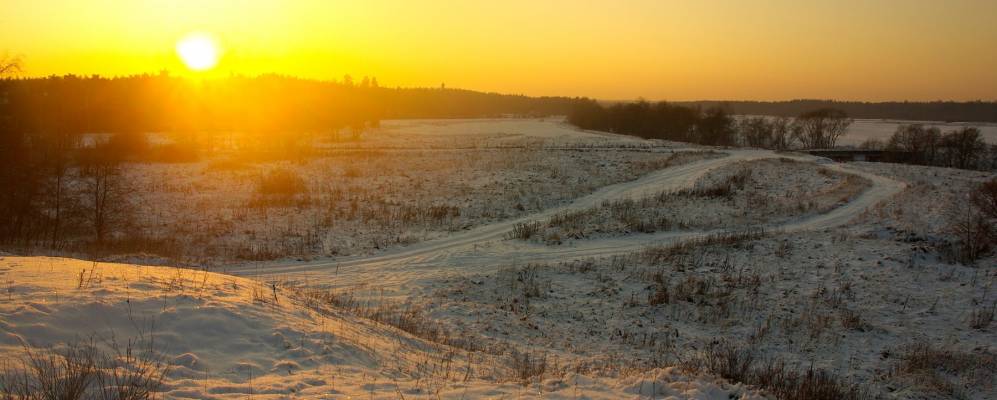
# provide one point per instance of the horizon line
(172, 74)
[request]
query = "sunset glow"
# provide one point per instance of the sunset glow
(476, 199)
(861, 50)
(198, 51)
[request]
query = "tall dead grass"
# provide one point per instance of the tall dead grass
(84, 370)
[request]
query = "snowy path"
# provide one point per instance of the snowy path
(398, 271)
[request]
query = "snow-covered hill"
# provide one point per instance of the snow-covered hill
(229, 337)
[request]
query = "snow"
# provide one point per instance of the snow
(225, 342)
(806, 284)
(376, 193)
(766, 191)
(482, 248)
(845, 273)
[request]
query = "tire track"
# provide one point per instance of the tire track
(482, 248)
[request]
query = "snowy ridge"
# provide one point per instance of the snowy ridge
(232, 338)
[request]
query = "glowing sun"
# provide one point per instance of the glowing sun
(199, 51)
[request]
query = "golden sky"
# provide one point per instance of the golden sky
(675, 50)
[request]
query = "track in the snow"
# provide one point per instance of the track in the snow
(484, 247)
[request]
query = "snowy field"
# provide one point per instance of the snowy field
(856, 299)
(408, 182)
(528, 259)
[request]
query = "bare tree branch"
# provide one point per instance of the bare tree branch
(9, 65)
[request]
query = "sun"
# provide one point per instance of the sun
(199, 51)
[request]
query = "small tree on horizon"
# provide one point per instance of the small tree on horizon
(821, 129)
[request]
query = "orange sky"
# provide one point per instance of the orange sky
(676, 50)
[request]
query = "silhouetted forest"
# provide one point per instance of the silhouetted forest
(162, 103)
(946, 111)
(927, 145)
(714, 126)
(812, 129)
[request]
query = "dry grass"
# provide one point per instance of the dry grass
(744, 194)
(656, 255)
(526, 367)
(403, 316)
(82, 370)
(524, 231)
(945, 371)
(355, 201)
(740, 364)
(281, 182)
(981, 318)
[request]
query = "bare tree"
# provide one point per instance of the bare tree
(782, 133)
(991, 158)
(766, 132)
(103, 187)
(974, 222)
(922, 143)
(59, 167)
(964, 148)
(971, 229)
(985, 198)
(756, 131)
(716, 127)
(18, 177)
(9, 66)
(821, 128)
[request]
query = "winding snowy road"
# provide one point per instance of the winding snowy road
(399, 271)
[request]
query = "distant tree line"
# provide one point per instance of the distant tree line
(714, 126)
(813, 129)
(927, 145)
(946, 111)
(164, 103)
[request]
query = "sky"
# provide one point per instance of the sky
(620, 50)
